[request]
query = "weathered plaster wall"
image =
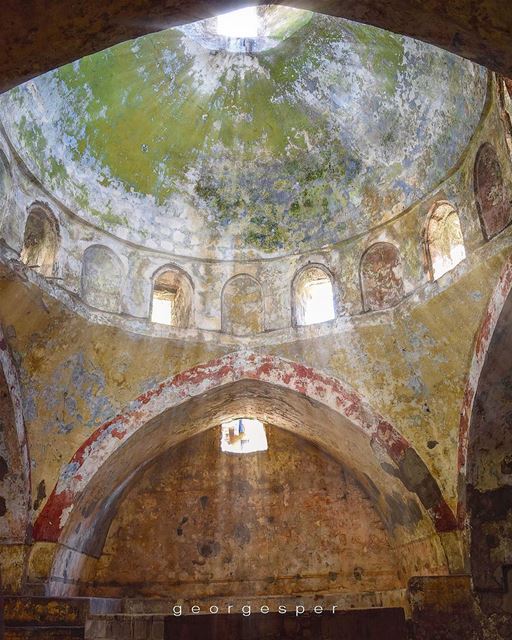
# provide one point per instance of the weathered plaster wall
(201, 523)
(76, 375)
(15, 489)
(297, 398)
(79, 368)
(98, 382)
(489, 474)
(14, 470)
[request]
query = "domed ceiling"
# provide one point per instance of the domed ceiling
(314, 131)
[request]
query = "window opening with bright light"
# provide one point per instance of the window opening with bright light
(242, 23)
(171, 302)
(444, 240)
(313, 296)
(163, 303)
(319, 305)
(243, 435)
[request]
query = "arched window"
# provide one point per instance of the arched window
(242, 306)
(171, 302)
(102, 278)
(381, 277)
(40, 241)
(313, 296)
(444, 243)
(493, 208)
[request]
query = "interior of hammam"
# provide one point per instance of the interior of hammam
(256, 335)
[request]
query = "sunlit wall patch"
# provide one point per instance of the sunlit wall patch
(243, 435)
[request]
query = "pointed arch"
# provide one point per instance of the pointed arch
(485, 450)
(276, 376)
(292, 396)
(289, 395)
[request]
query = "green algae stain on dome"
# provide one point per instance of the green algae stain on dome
(198, 151)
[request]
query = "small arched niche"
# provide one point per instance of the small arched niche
(444, 242)
(40, 240)
(382, 283)
(493, 208)
(313, 296)
(242, 306)
(102, 278)
(171, 299)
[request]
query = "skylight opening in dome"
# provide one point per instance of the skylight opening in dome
(242, 23)
(243, 435)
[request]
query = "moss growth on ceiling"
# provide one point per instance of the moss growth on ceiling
(166, 142)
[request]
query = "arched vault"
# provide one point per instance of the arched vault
(14, 458)
(485, 445)
(483, 341)
(481, 34)
(298, 398)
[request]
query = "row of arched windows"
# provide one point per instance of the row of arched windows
(314, 294)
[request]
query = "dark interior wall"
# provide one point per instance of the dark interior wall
(489, 491)
(33, 43)
(201, 523)
(383, 624)
(13, 490)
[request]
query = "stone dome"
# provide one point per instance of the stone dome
(312, 133)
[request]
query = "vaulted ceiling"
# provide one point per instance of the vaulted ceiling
(176, 143)
(38, 35)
